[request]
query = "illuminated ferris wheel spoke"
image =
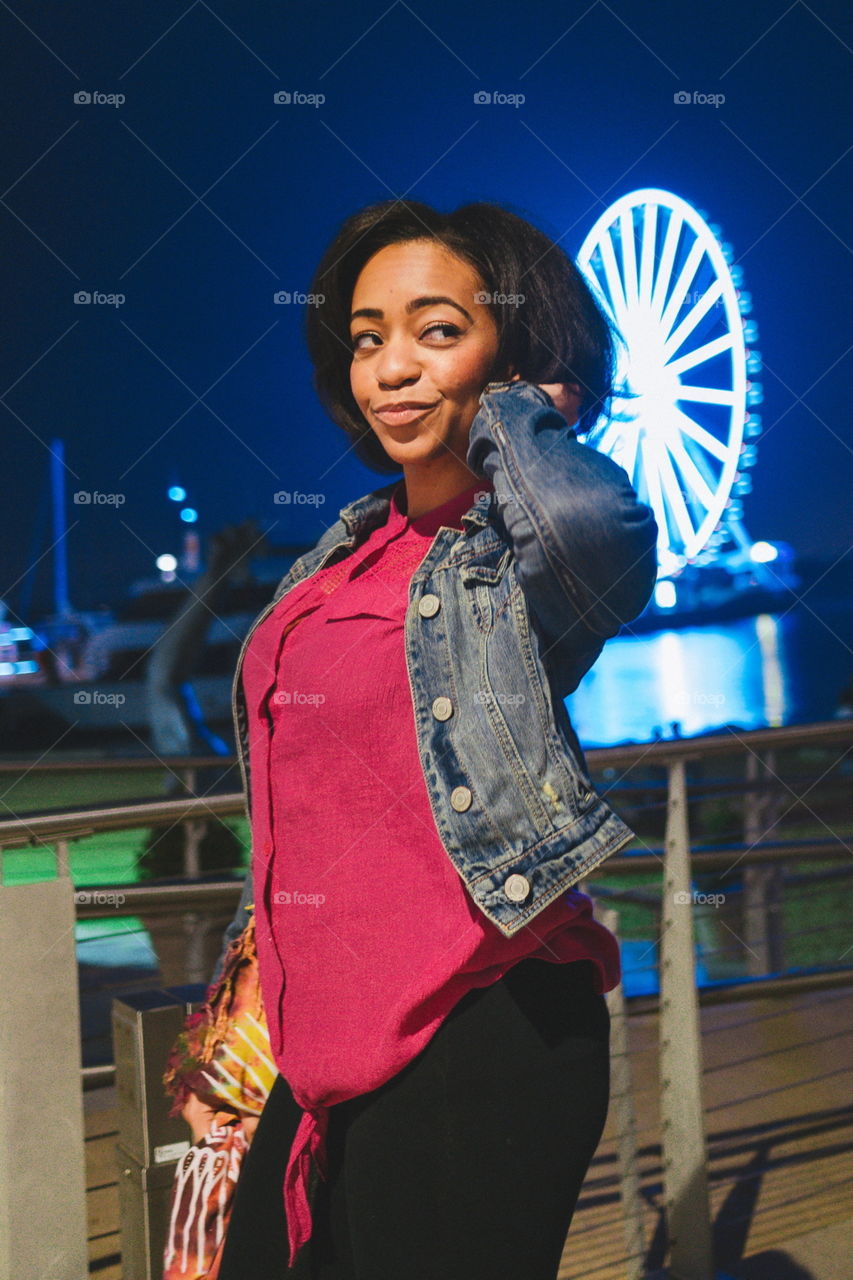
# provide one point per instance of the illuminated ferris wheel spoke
(660, 273)
(611, 439)
(621, 446)
(698, 485)
(652, 478)
(674, 497)
(682, 284)
(631, 441)
(615, 291)
(708, 441)
(647, 253)
(629, 260)
(667, 258)
(700, 354)
(706, 395)
(696, 313)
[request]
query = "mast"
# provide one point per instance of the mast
(62, 604)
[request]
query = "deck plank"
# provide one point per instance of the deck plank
(777, 1106)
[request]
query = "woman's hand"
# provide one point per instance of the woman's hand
(250, 1124)
(201, 1118)
(198, 1115)
(565, 395)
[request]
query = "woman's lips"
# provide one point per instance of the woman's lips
(400, 417)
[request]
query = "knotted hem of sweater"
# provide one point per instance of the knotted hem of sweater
(310, 1140)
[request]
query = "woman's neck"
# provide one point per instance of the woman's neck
(429, 487)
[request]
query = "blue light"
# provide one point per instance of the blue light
(189, 515)
(763, 552)
(665, 594)
(27, 668)
(177, 494)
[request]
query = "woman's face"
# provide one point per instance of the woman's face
(420, 338)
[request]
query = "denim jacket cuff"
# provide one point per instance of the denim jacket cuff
(516, 383)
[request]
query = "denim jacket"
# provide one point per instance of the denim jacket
(504, 620)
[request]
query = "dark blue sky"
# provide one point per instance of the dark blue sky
(103, 197)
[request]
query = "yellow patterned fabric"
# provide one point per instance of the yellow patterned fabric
(223, 1053)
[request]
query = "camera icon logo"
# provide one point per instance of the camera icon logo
(481, 97)
(282, 97)
(82, 498)
(81, 298)
(82, 698)
(81, 96)
(681, 97)
(281, 298)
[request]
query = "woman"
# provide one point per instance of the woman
(419, 802)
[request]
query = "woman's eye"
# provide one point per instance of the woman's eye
(445, 328)
(354, 343)
(451, 331)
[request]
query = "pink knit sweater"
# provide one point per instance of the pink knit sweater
(359, 967)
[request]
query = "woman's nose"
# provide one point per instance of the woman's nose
(395, 366)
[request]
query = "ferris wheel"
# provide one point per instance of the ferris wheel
(682, 422)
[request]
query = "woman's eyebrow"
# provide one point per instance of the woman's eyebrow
(374, 313)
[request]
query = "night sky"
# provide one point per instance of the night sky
(198, 198)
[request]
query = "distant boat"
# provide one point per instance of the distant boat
(88, 669)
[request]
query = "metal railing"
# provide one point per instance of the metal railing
(759, 852)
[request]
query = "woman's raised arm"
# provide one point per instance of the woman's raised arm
(584, 543)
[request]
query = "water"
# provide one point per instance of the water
(756, 672)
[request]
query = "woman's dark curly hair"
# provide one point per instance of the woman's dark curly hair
(559, 333)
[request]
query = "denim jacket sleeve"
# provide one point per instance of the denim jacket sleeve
(585, 546)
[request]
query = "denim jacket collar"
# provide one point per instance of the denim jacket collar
(370, 511)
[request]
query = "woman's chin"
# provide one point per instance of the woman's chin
(416, 449)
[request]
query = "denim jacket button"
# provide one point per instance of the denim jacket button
(442, 708)
(517, 888)
(428, 605)
(460, 798)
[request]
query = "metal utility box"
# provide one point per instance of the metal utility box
(143, 1195)
(145, 1025)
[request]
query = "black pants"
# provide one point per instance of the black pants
(466, 1165)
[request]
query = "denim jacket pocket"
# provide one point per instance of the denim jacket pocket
(483, 577)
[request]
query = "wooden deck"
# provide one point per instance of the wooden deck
(779, 1117)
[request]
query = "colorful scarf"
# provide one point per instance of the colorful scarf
(223, 1057)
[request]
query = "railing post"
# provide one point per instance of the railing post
(622, 1103)
(194, 832)
(682, 1117)
(762, 886)
(43, 1230)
